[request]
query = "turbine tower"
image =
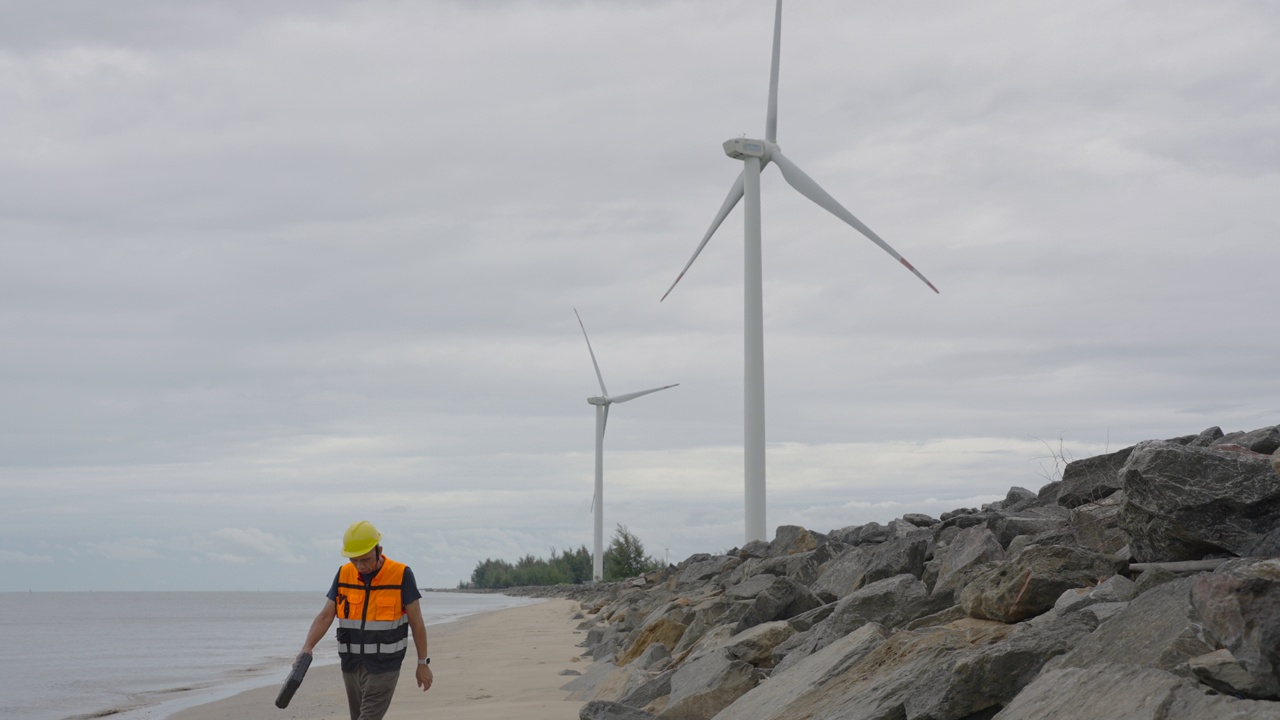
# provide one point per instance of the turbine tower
(602, 403)
(755, 155)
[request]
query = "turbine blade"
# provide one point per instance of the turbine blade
(634, 395)
(810, 189)
(730, 200)
(594, 364)
(604, 419)
(594, 497)
(771, 120)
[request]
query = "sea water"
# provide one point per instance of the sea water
(145, 655)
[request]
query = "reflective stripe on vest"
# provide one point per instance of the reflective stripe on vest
(373, 649)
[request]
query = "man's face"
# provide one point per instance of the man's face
(367, 563)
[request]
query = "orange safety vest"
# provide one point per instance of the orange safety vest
(373, 630)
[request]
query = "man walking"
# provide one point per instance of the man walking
(375, 600)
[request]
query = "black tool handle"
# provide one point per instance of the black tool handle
(294, 681)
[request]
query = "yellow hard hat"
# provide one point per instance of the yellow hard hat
(359, 539)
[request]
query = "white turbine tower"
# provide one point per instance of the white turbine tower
(756, 154)
(602, 404)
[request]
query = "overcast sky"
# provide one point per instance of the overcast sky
(270, 268)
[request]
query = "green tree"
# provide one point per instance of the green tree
(625, 557)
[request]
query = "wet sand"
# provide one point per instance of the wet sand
(495, 666)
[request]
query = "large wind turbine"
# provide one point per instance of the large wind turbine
(755, 154)
(602, 404)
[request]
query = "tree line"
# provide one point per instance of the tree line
(624, 558)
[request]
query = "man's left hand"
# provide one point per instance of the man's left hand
(424, 677)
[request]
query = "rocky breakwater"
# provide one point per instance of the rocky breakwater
(1145, 584)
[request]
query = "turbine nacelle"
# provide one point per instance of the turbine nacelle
(598, 400)
(743, 148)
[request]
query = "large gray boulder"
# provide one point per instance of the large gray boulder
(1126, 692)
(1264, 440)
(792, 539)
(772, 700)
(707, 684)
(702, 567)
(970, 552)
(1187, 502)
(1031, 583)
(891, 602)
(801, 567)
(756, 644)
(771, 598)
(1096, 526)
(953, 671)
(1159, 629)
(859, 566)
(658, 686)
(1091, 479)
(1242, 611)
(1033, 521)
(708, 614)
(606, 710)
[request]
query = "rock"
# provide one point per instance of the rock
(1187, 502)
(1049, 494)
(989, 676)
(754, 549)
(1019, 498)
(1206, 437)
(1035, 521)
(653, 655)
(804, 621)
(1158, 629)
(800, 567)
(1096, 526)
(891, 602)
(1030, 584)
(859, 566)
(1126, 692)
(704, 567)
(605, 710)
(706, 685)
(1117, 589)
(1154, 578)
(972, 550)
(1243, 613)
(1265, 440)
(658, 686)
(920, 520)
(664, 631)
(846, 535)
(967, 519)
(1091, 479)
(1220, 671)
(708, 614)
(771, 700)
(792, 539)
(572, 673)
(771, 598)
(872, 533)
(755, 645)
(952, 671)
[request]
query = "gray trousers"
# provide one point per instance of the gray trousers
(369, 694)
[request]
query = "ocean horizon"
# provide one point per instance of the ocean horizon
(147, 655)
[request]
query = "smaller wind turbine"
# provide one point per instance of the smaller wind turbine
(602, 404)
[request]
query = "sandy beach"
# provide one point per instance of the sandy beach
(495, 666)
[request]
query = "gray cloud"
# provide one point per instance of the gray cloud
(270, 270)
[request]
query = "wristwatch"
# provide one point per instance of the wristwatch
(425, 661)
